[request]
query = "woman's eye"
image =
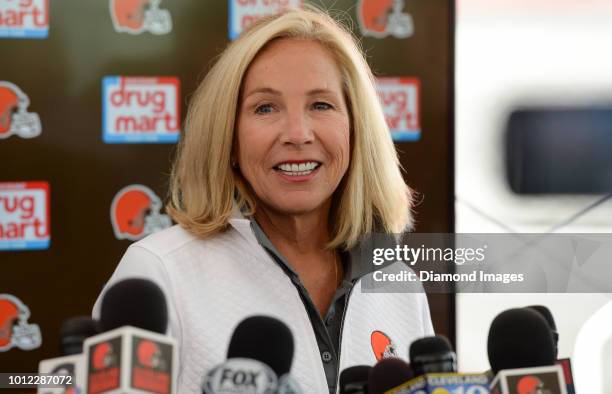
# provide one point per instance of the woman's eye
(263, 109)
(321, 106)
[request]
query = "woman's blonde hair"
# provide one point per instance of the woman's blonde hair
(203, 185)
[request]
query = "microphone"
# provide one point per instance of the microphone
(565, 363)
(435, 364)
(134, 302)
(74, 331)
(521, 352)
(259, 359)
(387, 374)
(132, 355)
(547, 315)
(432, 354)
(354, 380)
(71, 363)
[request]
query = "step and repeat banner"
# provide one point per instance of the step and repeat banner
(92, 99)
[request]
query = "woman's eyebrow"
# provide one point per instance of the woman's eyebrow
(312, 92)
(264, 90)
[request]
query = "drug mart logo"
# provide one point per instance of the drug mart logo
(139, 16)
(24, 18)
(135, 213)
(24, 215)
(14, 116)
(400, 99)
(242, 13)
(140, 109)
(382, 18)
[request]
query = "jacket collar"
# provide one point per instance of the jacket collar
(360, 263)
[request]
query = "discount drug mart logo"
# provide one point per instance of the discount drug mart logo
(139, 16)
(135, 213)
(400, 99)
(242, 13)
(14, 116)
(24, 18)
(24, 215)
(140, 109)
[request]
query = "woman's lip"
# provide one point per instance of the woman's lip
(298, 178)
(297, 162)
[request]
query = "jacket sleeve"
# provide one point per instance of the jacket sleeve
(139, 262)
(428, 329)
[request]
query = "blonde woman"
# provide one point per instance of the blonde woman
(286, 165)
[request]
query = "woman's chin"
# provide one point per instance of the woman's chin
(298, 207)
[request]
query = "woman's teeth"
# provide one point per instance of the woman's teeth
(298, 169)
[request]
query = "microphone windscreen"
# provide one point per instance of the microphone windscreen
(520, 338)
(74, 331)
(264, 339)
(354, 380)
(134, 302)
(429, 345)
(546, 314)
(387, 374)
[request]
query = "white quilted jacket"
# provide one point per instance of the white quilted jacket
(213, 284)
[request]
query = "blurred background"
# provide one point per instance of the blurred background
(533, 142)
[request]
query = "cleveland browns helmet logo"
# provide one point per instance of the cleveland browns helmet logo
(135, 213)
(382, 345)
(137, 16)
(15, 331)
(530, 385)
(14, 115)
(382, 18)
(103, 356)
(149, 355)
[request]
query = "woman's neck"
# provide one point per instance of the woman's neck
(304, 233)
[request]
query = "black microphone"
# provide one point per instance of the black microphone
(547, 314)
(521, 351)
(134, 302)
(565, 363)
(432, 355)
(259, 359)
(387, 374)
(132, 354)
(74, 331)
(265, 339)
(520, 338)
(354, 380)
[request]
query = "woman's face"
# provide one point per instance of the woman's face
(293, 126)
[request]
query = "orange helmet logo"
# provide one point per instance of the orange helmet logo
(15, 331)
(135, 213)
(149, 354)
(382, 18)
(138, 16)
(529, 385)
(103, 356)
(14, 117)
(382, 346)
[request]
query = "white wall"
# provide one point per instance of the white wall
(513, 53)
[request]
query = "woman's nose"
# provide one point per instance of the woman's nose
(297, 130)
